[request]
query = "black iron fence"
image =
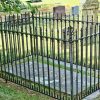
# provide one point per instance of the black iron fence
(59, 57)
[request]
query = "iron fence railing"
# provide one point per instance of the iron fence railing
(59, 57)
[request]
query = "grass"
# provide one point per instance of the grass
(50, 51)
(27, 44)
(11, 91)
(98, 98)
(16, 40)
(29, 59)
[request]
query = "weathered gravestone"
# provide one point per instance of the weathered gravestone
(59, 11)
(75, 10)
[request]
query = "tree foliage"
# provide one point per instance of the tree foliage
(34, 9)
(16, 5)
(10, 5)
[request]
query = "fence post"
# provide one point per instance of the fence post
(71, 59)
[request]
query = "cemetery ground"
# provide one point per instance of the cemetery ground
(98, 98)
(27, 44)
(11, 91)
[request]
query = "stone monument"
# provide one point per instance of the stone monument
(90, 8)
(90, 11)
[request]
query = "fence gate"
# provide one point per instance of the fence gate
(59, 57)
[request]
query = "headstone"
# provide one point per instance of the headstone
(75, 10)
(59, 11)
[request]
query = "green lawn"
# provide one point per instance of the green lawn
(11, 91)
(98, 98)
(16, 40)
